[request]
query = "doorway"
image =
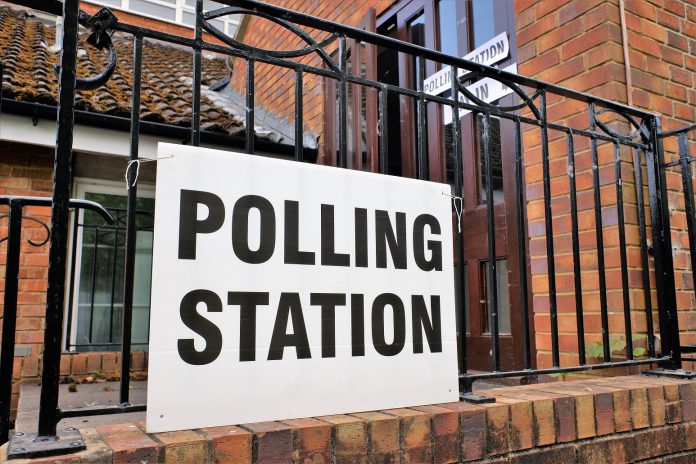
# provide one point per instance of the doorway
(457, 27)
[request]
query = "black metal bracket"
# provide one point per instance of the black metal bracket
(674, 374)
(475, 398)
(24, 446)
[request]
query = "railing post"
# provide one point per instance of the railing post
(131, 230)
(9, 320)
(664, 266)
(48, 441)
(62, 179)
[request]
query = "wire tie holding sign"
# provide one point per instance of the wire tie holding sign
(137, 163)
(458, 203)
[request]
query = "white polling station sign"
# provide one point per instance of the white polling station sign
(487, 90)
(284, 290)
(494, 51)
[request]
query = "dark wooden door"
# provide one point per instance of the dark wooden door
(456, 27)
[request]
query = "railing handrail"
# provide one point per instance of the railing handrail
(46, 201)
(678, 131)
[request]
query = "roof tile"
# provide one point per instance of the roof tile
(166, 92)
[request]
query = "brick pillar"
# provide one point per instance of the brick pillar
(662, 42)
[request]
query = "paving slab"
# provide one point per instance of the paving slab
(88, 395)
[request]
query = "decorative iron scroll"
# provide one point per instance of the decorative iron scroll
(527, 100)
(100, 24)
(313, 45)
(31, 242)
(641, 128)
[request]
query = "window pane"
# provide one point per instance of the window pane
(483, 21)
(416, 35)
(465, 295)
(447, 16)
(503, 297)
(153, 9)
(188, 18)
(503, 294)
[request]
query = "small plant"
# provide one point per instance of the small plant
(562, 376)
(617, 345)
(72, 388)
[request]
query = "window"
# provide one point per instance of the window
(95, 302)
(174, 11)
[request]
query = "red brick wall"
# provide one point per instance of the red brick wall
(578, 44)
(275, 86)
(26, 170)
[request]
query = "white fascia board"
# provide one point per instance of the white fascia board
(87, 139)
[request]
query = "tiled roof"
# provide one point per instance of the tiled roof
(28, 58)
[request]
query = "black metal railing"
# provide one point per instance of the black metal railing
(632, 136)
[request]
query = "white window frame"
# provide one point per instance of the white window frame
(81, 187)
(231, 23)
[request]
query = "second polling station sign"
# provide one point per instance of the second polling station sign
(284, 290)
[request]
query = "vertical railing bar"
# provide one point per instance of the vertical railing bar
(197, 65)
(299, 117)
(250, 105)
(492, 264)
(622, 250)
(599, 229)
(548, 222)
(664, 265)
(342, 103)
(9, 320)
(688, 184)
(93, 284)
(131, 226)
(71, 282)
(421, 131)
(522, 248)
(642, 229)
(383, 101)
(579, 313)
(60, 217)
(459, 193)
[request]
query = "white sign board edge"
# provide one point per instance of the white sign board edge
(494, 51)
(227, 391)
(487, 89)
